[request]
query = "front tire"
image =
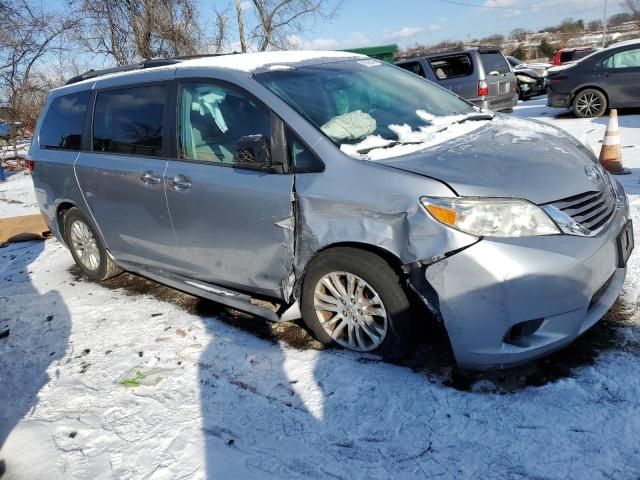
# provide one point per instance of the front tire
(86, 248)
(589, 103)
(353, 299)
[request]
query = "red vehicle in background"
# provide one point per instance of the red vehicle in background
(566, 55)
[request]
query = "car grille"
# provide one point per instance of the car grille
(590, 209)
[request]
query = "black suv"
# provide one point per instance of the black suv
(605, 79)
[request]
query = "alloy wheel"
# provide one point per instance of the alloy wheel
(589, 104)
(350, 311)
(84, 245)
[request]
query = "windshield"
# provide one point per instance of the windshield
(366, 104)
(514, 61)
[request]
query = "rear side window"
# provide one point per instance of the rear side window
(413, 67)
(494, 62)
(62, 125)
(130, 120)
(451, 67)
(626, 59)
(578, 54)
(566, 56)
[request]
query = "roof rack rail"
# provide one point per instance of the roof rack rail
(202, 55)
(445, 51)
(154, 62)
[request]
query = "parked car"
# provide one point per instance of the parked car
(530, 82)
(5, 130)
(481, 75)
(517, 64)
(608, 78)
(567, 55)
(378, 202)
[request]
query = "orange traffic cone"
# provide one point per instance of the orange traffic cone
(610, 155)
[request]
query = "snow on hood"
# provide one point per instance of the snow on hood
(506, 157)
(440, 129)
(523, 130)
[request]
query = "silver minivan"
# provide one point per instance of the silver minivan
(338, 189)
(481, 75)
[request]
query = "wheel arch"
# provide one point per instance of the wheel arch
(392, 259)
(61, 212)
(590, 87)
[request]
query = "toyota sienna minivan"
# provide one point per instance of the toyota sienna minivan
(338, 189)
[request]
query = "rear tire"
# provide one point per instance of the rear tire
(86, 247)
(589, 103)
(353, 299)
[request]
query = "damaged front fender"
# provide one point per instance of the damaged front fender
(380, 210)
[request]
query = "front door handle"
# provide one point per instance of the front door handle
(180, 183)
(149, 177)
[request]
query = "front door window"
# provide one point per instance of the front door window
(214, 121)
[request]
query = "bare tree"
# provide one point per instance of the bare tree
(633, 6)
(28, 34)
(276, 22)
(220, 33)
(128, 30)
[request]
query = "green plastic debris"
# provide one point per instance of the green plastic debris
(142, 375)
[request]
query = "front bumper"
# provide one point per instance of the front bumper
(562, 283)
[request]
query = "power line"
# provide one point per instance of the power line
(533, 7)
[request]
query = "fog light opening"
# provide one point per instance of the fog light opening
(517, 335)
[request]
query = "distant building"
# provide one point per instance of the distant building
(386, 53)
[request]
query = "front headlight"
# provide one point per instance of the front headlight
(525, 79)
(491, 217)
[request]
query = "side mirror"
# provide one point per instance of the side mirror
(252, 151)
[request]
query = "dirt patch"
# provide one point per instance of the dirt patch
(291, 333)
(431, 352)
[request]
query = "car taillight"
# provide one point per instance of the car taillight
(31, 164)
(483, 88)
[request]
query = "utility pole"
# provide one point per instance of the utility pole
(604, 25)
(243, 44)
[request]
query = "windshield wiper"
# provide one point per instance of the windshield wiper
(392, 143)
(476, 117)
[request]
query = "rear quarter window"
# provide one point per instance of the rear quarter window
(63, 122)
(494, 62)
(453, 66)
(413, 67)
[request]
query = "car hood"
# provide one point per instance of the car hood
(507, 157)
(529, 72)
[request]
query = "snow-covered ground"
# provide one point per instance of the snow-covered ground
(16, 195)
(228, 396)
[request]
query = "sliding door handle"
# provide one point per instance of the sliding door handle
(149, 177)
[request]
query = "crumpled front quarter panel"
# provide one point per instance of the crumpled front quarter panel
(355, 201)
